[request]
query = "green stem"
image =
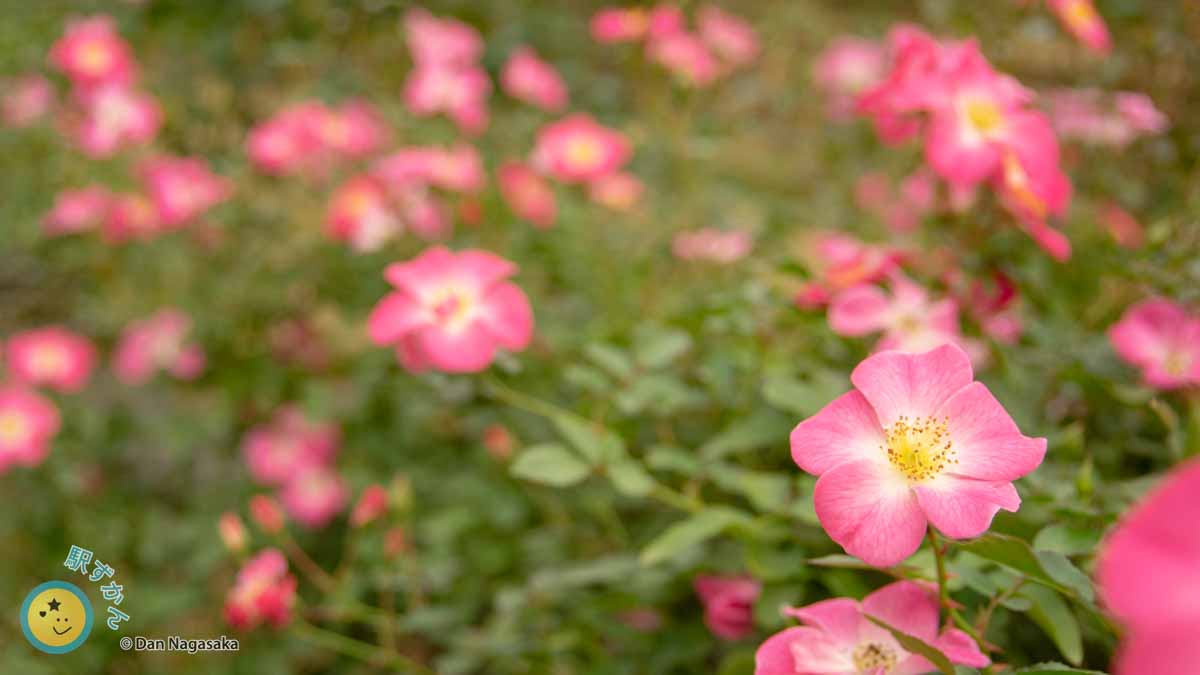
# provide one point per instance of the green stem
(944, 593)
(359, 650)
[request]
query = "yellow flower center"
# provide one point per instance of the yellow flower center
(48, 361)
(919, 448)
(95, 57)
(583, 152)
(984, 116)
(14, 428)
(873, 657)
(1177, 363)
(452, 308)
(1080, 14)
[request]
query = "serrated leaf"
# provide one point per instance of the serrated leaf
(803, 397)
(917, 646)
(1066, 539)
(1066, 573)
(1016, 555)
(550, 464)
(689, 532)
(1056, 619)
(630, 478)
(766, 491)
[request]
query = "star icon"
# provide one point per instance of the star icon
(54, 603)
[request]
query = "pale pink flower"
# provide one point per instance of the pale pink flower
(451, 311)
(728, 604)
(28, 421)
(459, 168)
(158, 343)
(665, 19)
(1122, 226)
(837, 638)
(712, 245)
(848, 67)
(182, 188)
(459, 92)
(619, 191)
(314, 496)
(1098, 118)
(91, 53)
(619, 24)
(361, 213)
(1033, 187)
(285, 143)
(232, 531)
(686, 56)
(351, 131)
(440, 42)
(372, 503)
(263, 593)
(530, 79)
(291, 443)
(578, 149)
(54, 357)
(909, 319)
(114, 117)
(130, 216)
(266, 513)
(1148, 574)
(729, 36)
(1082, 20)
(26, 100)
(839, 261)
(1162, 339)
(77, 210)
(530, 196)
(916, 442)
(1140, 112)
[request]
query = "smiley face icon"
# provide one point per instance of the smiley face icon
(56, 617)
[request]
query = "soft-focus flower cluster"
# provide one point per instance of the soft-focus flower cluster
(295, 455)
(1162, 338)
(310, 137)
(264, 593)
(528, 78)
(837, 261)
(1080, 19)
(728, 604)
(452, 311)
(157, 343)
(837, 638)
(976, 125)
(719, 44)
(1099, 118)
(28, 422)
(446, 77)
(920, 194)
(1149, 577)
(710, 244)
(25, 100)
(917, 441)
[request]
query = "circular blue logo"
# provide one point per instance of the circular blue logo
(56, 617)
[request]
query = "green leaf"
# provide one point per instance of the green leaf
(737, 663)
(1056, 619)
(767, 491)
(630, 478)
(1044, 567)
(917, 646)
(658, 348)
(550, 464)
(1066, 539)
(764, 427)
(1055, 669)
(1066, 573)
(674, 460)
(597, 443)
(689, 532)
(610, 358)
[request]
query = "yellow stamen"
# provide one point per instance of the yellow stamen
(919, 448)
(984, 116)
(873, 657)
(14, 428)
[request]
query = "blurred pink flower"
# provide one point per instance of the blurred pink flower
(642, 619)
(529, 195)
(459, 92)
(28, 421)
(314, 496)
(182, 188)
(289, 444)
(91, 53)
(728, 604)
(53, 356)
(619, 24)
(848, 67)
(451, 311)
(712, 245)
(115, 116)
(440, 42)
(618, 191)
(285, 143)
(664, 19)
(263, 593)
(372, 503)
(26, 100)
(1032, 186)
(686, 56)
(77, 210)
(1162, 339)
(909, 320)
(534, 81)
(499, 442)
(916, 442)
(361, 214)
(130, 216)
(1082, 20)
(838, 261)
(266, 513)
(836, 637)
(158, 343)
(1140, 112)
(577, 149)
(232, 531)
(1148, 573)
(729, 36)
(1098, 118)
(351, 131)
(1122, 226)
